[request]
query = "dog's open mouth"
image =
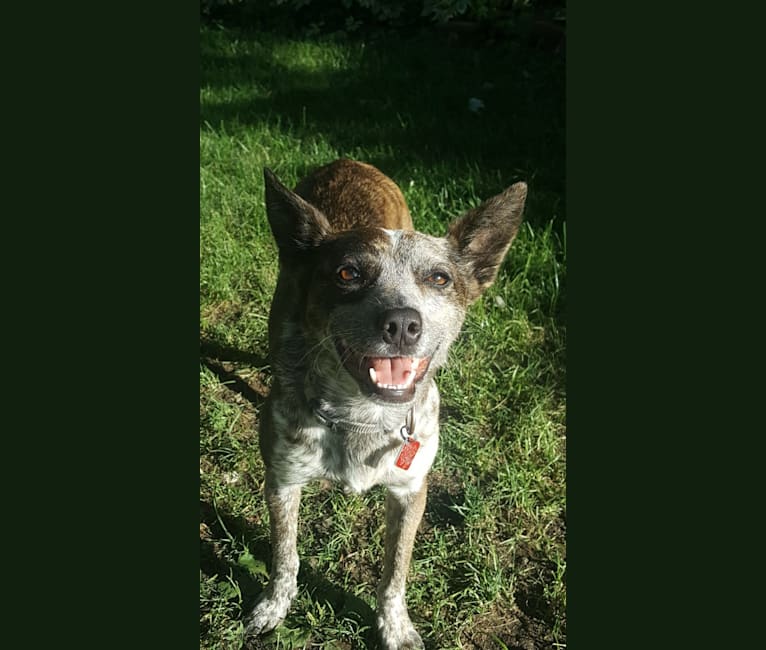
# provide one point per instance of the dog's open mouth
(392, 378)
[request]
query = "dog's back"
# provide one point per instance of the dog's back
(353, 194)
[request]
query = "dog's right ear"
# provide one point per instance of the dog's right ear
(296, 224)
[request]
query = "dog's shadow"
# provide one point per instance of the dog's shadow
(223, 526)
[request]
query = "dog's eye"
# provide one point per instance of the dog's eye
(349, 273)
(439, 279)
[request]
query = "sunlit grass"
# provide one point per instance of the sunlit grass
(490, 554)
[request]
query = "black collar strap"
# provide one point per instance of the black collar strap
(346, 426)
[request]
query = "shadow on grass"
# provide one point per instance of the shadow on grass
(213, 350)
(223, 525)
(404, 100)
(219, 359)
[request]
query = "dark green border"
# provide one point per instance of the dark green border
(655, 228)
(611, 326)
(112, 555)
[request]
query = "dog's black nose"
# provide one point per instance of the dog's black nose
(401, 327)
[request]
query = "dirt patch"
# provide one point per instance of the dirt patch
(509, 626)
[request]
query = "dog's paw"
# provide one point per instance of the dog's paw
(397, 632)
(269, 611)
(403, 640)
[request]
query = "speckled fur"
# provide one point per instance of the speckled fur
(349, 212)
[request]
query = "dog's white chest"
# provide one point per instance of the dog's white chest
(357, 461)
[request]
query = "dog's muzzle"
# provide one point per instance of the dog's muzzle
(392, 378)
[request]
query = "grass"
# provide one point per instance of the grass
(489, 563)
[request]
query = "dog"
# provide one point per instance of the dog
(364, 312)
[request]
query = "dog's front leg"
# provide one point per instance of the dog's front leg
(274, 602)
(403, 514)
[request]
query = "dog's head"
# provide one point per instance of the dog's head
(388, 303)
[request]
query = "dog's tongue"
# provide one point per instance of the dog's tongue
(393, 370)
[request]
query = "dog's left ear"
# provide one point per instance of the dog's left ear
(483, 235)
(296, 224)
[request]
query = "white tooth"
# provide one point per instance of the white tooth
(373, 375)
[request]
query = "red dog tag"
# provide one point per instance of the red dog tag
(409, 449)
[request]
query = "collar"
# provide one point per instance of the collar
(406, 431)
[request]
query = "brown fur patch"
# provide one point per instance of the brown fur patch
(354, 195)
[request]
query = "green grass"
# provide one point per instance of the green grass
(489, 563)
